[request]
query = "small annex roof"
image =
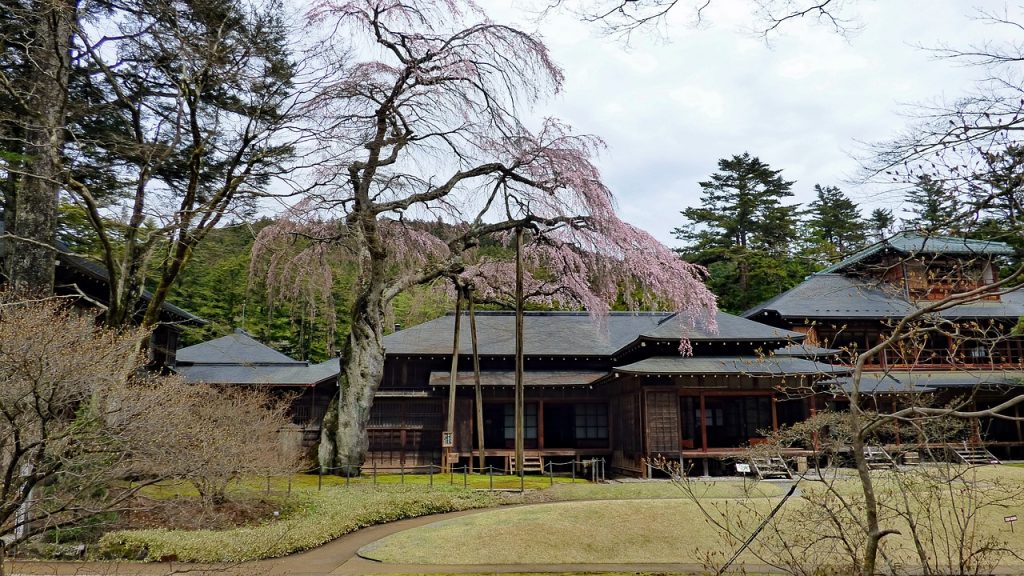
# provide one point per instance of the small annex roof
(911, 243)
(916, 381)
(769, 366)
(299, 374)
(550, 378)
(825, 296)
(238, 358)
(573, 333)
(235, 348)
(96, 271)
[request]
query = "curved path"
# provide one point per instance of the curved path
(340, 558)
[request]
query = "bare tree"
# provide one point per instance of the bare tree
(203, 434)
(77, 416)
(158, 119)
(847, 520)
(623, 18)
(55, 367)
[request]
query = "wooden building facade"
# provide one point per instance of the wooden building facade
(964, 353)
(615, 388)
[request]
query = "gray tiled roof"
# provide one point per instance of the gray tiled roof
(571, 333)
(840, 296)
(236, 348)
(530, 378)
(875, 383)
(241, 359)
(805, 351)
(910, 243)
(298, 374)
(896, 381)
(780, 366)
(546, 333)
(730, 328)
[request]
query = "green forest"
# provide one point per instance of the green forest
(754, 241)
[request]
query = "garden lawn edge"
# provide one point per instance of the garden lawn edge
(313, 520)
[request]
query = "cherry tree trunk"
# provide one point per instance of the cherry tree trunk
(343, 439)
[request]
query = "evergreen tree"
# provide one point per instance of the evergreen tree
(881, 223)
(833, 225)
(932, 207)
(743, 232)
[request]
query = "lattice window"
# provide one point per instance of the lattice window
(591, 421)
(386, 414)
(529, 422)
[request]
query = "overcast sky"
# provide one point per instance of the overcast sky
(669, 108)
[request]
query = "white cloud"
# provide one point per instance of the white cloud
(670, 110)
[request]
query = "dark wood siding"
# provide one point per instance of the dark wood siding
(663, 429)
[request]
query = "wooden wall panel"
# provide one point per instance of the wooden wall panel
(663, 429)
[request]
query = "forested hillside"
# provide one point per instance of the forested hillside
(217, 285)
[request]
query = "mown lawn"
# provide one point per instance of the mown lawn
(314, 510)
(651, 529)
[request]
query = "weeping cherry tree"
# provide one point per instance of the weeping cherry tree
(425, 121)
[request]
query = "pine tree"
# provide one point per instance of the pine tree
(833, 225)
(932, 207)
(881, 223)
(742, 231)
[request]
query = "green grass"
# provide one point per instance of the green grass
(312, 518)
(660, 489)
(553, 574)
(657, 528)
(612, 531)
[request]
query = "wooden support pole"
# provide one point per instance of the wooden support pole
(703, 424)
(477, 389)
(519, 407)
(455, 369)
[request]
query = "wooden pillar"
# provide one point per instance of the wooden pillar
(540, 424)
(453, 381)
(520, 412)
(703, 424)
(455, 362)
(775, 415)
(899, 442)
(812, 402)
(477, 389)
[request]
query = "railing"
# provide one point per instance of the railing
(593, 468)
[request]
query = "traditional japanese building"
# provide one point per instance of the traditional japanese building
(240, 360)
(87, 284)
(962, 351)
(615, 387)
